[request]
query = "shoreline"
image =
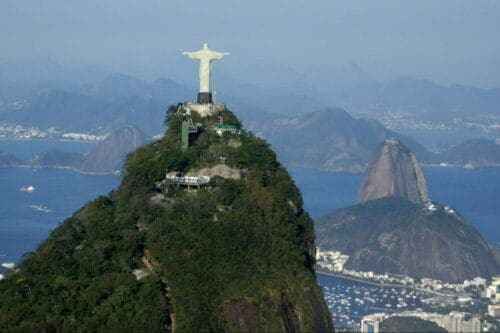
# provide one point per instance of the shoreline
(387, 285)
(64, 168)
(424, 165)
(50, 139)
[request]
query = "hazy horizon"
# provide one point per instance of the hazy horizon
(280, 43)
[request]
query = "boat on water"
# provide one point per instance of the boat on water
(9, 265)
(469, 166)
(40, 208)
(28, 189)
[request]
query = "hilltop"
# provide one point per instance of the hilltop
(393, 171)
(394, 235)
(236, 253)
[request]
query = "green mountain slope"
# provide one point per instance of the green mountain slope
(236, 255)
(393, 235)
(9, 160)
(478, 152)
(409, 324)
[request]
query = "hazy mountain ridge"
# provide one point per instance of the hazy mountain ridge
(107, 157)
(9, 160)
(476, 152)
(330, 139)
(419, 96)
(106, 105)
(335, 142)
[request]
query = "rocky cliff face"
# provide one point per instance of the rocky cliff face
(392, 230)
(393, 171)
(394, 235)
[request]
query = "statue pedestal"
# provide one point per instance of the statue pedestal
(204, 98)
(204, 109)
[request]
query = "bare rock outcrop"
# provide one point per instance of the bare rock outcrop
(393, 171)
(393, 229)
(220, 170)
(394, 235)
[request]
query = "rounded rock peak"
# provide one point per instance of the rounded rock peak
(393, 171)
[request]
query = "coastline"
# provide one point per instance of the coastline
(86, 173)
(50, 140)
(378, 284)
(359, 172)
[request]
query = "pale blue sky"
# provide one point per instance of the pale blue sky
(449, 41)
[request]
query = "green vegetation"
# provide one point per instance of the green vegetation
(394, 235)
(409, 324)
(235, 255)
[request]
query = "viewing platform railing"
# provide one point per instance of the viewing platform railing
(189, 180)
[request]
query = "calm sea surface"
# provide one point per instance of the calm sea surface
(27, 218)
(58, 194)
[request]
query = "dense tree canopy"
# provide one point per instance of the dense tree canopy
(235, 255)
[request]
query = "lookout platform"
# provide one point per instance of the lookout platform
(188, 181)
(204, 109)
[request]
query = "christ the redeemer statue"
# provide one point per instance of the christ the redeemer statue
(206, 57)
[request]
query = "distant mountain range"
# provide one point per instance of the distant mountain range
(107, 157)
(419, 96)
(27, 78)
(329, 139)
(471, 153)
(103, 106)
(9, 160)
(333, 140)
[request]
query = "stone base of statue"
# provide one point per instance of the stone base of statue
(204, 98)
(204, 109)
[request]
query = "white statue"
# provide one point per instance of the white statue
(205, 56)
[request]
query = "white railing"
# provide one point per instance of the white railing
(189, 180)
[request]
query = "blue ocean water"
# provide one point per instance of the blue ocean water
(473, 193)
(61, 191)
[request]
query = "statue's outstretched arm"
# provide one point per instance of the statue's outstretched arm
(220, 55)
(192, 55)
